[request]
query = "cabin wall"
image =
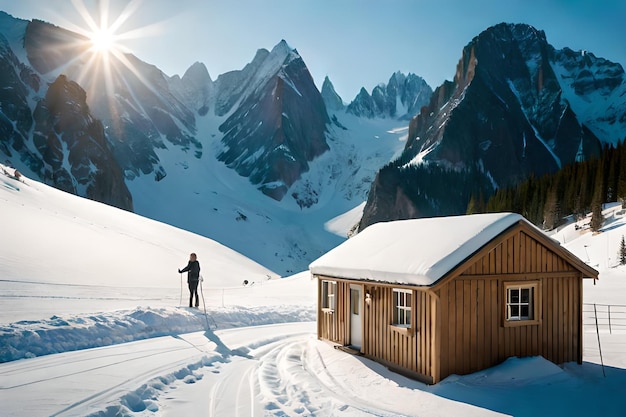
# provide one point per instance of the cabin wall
(406, 350)
(333, 325)
(474, 335)
(410, 349)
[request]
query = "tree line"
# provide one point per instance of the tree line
(577, 189)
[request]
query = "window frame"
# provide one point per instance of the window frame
(329, 298)
(355, 302)
(405, 307)
(534, 303)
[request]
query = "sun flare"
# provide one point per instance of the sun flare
(102, 40)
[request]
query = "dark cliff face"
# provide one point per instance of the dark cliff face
(17, 81)
(503, 116)
(278, 128)
(65, 130)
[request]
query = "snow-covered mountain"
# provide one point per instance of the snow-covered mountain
(254, 152)
(516, 107)
(401, 98)
(279, 125)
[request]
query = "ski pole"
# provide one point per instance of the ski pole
(180, 299)
(206, 316)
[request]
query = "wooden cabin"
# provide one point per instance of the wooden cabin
(452, 295)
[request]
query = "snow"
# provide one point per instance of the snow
(412, 252)
(92, 303)
(342, 225)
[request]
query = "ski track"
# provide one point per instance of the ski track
(296, 393)
(272, 379)
(237, 383)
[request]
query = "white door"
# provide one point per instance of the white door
(356, 316)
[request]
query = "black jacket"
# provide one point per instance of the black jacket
(193, 270)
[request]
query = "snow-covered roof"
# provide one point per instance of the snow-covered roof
(412, 252)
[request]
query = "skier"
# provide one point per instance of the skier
(193, 276)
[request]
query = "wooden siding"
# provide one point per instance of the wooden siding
(412, 350)
(334, 324)
(473, 308)
(458, 324)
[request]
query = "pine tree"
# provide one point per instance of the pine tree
(621, 176)
(596, 213)
(551, 211)
(598, 198)
(622, 252)
(472, 206)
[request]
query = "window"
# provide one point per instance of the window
(329, 289)
(402, 307)
(522, 303)
(355, 301)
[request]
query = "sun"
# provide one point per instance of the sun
(103, 41)
(103, 26)
(103, 62)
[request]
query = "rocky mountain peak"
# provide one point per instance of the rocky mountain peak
(401, 98)
(282, 49)
(279, 125)
(63, 120)
(197, 73)
(195, 88)
(332, 100)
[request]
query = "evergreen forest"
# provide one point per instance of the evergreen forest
(577, 189)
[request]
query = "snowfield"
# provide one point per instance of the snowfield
(93, 323)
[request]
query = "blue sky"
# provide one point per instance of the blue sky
(357, 43)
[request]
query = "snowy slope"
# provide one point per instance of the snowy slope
(205, 196)
(44, 216)
(99, 345)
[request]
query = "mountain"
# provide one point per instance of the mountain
(516, 107)
(275, 120)
(279, 125)
(401, 98)
(51, 129)
(252, 152)
(132, 98)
